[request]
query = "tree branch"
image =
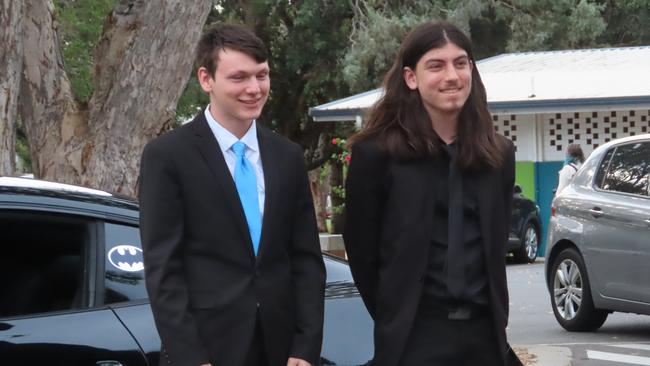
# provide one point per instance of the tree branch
(11, 15)
(46, 99)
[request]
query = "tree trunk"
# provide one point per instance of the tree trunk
(144, 61)
(11, 14)
(46, 104)
(142, 64)
(319, 190)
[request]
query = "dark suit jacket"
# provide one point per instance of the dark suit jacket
(205, 284)
(388, 232)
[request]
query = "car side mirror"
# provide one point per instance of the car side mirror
(517, 189)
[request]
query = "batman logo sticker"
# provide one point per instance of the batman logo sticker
(126, 258)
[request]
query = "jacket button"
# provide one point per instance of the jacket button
(258, 304)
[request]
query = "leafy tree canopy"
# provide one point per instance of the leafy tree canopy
(495, 27)
(80, 26)
(327, 49)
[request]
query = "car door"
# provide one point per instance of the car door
(122, 286)
(47, 308)
(516, 218)
(347, 328)
(92, 337)
(616, 241)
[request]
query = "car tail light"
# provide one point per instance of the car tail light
(553, 211)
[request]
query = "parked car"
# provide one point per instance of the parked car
(598, 254)
(72, 284)
(525, 228)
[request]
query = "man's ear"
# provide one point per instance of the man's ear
(205, 79)
(409, 78)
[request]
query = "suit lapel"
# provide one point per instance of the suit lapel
(269, 156)
(211, 153)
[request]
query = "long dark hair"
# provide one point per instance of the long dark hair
(400, 122)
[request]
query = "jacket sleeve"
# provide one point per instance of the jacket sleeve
(363, 212)
(161, 231)
(307, 270)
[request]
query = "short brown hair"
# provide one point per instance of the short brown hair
(232, 36)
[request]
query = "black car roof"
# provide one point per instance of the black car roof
(42, 188)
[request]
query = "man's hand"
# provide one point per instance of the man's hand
(297, 362)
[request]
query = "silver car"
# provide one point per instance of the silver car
(598, 252)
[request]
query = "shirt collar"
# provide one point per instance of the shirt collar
(226, 139)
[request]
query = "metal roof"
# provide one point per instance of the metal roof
(542, 82)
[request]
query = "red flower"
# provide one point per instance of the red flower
(347, 158)
(334, 141)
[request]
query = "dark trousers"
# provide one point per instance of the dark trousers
(256, 353)
(437, 340)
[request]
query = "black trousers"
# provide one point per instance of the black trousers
(256, 353)
(437, 340)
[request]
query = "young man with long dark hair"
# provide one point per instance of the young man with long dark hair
(429, 193)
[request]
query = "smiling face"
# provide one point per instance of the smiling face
(238, 89)
(443, 77)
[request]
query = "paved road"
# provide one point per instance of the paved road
(623, 340)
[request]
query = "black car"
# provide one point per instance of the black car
(72, 284)
(525, 228)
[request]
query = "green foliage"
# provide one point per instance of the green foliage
(322, 50)
(373, 44)
(341, 154)
(306, 40)
(495, 26)
(339, 192)
(193, 100)
(379, 29)
(551, 24)
(22, 148)
(339, 167)
(80, 27)
(627, 23)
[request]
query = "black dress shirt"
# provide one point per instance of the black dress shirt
(475, 290)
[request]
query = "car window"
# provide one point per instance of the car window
(42, 266)
(602, 168)
(124, 266)
(628, 170)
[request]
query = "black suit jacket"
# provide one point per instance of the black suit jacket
(388, 232)
(205, 284)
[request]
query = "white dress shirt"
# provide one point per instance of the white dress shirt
(226, 139)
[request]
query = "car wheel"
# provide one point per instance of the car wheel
(527, 252)
(571, 298)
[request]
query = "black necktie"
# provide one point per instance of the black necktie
(455, 252)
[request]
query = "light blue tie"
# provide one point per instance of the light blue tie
(247, 189)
